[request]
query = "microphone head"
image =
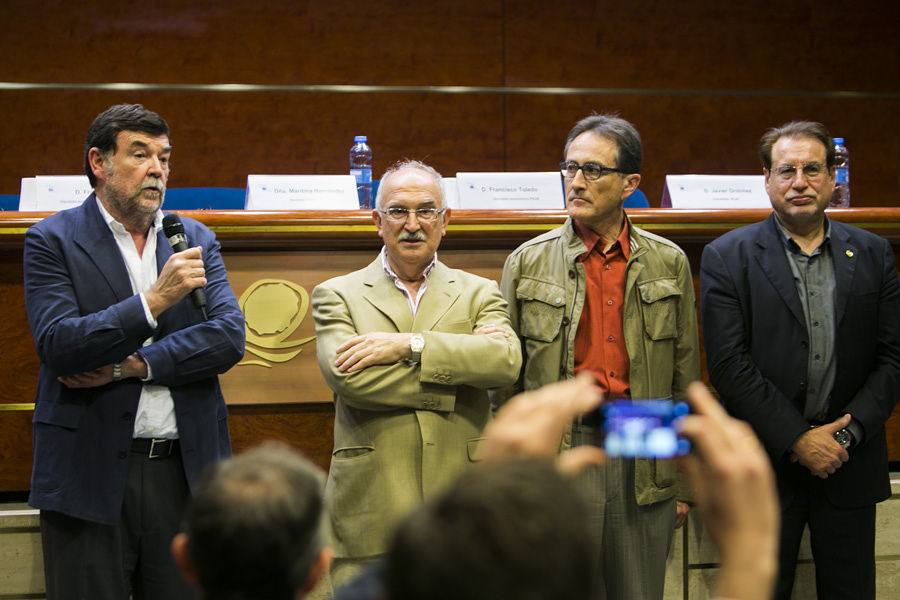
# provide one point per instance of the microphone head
(172, 225)
(174, 232)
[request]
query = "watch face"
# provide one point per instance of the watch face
(417, 343)
(842, 437)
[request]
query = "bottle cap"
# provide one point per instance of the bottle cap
(838, 141)
(359, 138)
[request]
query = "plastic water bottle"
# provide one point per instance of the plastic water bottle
(361, 168)
(841, 196)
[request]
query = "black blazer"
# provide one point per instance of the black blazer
(757, 347)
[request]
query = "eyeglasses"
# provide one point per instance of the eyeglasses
(399, 214)
(591, 171)
(812, 171)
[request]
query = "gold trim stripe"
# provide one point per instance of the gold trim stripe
(287, 228)
(16, 407)
(439, 89)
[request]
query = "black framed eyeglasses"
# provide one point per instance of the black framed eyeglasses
(590, 171)
(399, 214)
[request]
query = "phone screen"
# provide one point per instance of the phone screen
(642, 428)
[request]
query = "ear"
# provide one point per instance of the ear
(182, 558)
(444, 221)
(377, 217)
(318, 570)
(98, 163)
(632, 180)
(768, 175)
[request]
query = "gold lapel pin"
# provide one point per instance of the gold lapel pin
(849, 253)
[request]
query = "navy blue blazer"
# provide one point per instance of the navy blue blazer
(757, 347)
(84, 315)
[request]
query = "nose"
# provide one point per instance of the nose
(412, 221)
(156, 167)
(800, 180)
(578, 182)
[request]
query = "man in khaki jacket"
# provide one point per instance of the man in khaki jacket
(600, 295)
(410, 347)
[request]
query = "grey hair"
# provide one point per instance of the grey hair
(403, 165)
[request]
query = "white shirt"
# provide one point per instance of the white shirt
(413, 302)
(155, 416)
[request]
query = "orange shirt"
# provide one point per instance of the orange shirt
(599, 337)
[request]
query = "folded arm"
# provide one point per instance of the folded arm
(386, 381)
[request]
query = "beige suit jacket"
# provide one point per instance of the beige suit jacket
(402, 432)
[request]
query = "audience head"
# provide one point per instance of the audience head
(103, 132)
(253, 530)
(512, 529)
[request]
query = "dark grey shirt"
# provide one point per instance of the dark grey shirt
(814, 278)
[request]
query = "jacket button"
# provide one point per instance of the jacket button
(562, 371)
(571, 273)
(565, 321)
(122, 454)
(804, 344)
(802, 386)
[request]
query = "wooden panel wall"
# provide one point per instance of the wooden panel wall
(701, 80)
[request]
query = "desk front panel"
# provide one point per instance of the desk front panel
(274, 260)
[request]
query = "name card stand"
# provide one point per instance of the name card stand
(301, 192)
(506, 191)
(53, 192)
(715, 191)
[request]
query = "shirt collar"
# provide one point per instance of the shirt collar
(390, 272)
(791, 245)
(592, 240)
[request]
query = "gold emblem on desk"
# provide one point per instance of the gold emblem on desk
(273, 309)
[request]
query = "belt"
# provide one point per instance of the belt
(155, 447)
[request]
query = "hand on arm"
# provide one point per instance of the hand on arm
(734, 487)
(375, 348)
(491, 330)
(817, 450)
(133, 366)
(182, 273)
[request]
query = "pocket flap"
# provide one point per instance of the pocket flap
(542, 291)
(657, 289)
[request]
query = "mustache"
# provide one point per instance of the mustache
(152, 182)
(412, 236)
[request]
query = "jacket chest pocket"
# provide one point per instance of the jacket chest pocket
(659, 307)
(541, 310)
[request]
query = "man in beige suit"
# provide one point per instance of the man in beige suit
(410, 348)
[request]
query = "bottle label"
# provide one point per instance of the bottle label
(362, 175)
(842, 175)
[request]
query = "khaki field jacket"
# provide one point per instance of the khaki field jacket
(545, 289)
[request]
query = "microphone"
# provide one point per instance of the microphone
(174, 231)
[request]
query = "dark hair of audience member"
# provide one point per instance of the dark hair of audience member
(511, 530)
(254, 525)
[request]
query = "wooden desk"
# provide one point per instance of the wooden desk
(274, 259)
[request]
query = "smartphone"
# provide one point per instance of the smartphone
(642, 428)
